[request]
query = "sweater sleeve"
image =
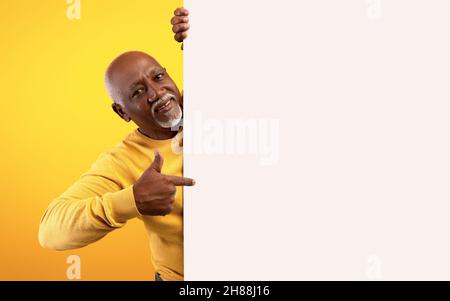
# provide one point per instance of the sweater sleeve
(88, 210)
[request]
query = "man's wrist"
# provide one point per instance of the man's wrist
(123, 205)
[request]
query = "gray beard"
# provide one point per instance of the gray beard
(175, 116)
(173, 120)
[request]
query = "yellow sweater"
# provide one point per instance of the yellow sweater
(102, 200)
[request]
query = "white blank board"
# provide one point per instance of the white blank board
(318, 133)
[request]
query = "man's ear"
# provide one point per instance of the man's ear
(119, 111)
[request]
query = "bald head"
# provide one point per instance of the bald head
(117, 70)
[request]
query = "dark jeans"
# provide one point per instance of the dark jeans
(158, 277)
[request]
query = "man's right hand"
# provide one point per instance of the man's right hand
(154, 192)
(180, 24)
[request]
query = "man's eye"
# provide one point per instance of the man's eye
(137, 92)
(160, 76)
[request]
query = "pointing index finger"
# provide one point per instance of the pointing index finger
(181, 181)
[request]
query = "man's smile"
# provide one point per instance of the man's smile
(164, 106)
(166, 111)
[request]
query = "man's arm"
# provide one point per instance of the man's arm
(88, 210)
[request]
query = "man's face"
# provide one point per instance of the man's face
(147, 94)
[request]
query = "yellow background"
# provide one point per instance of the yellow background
(56, 118)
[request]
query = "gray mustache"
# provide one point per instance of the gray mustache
(164, 98)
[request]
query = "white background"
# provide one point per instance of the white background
(361, 90)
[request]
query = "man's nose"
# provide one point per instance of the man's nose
(154, 91)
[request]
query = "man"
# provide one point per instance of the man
(141, 177)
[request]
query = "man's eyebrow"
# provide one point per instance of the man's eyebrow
(152, 72)
(134, 84)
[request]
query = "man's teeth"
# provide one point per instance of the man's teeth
(165, 105)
